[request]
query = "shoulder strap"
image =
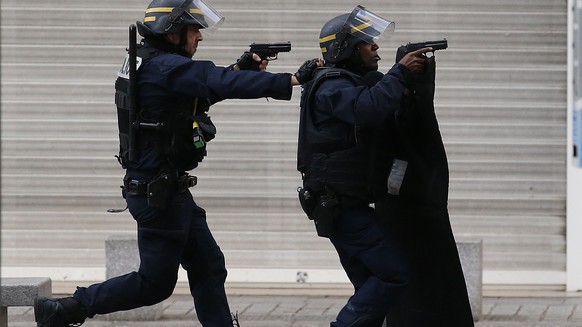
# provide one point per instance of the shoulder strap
(322, 74)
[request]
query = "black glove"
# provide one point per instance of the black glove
(246, 62)
(305, 73)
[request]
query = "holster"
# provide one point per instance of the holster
(161, 189)
(307, 200)
(323, 210)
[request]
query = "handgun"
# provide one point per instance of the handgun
(410, 47)
(269, 51)
(435, 45)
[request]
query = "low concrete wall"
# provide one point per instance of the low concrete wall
(21, 291)
(471, 255)
(122, 257)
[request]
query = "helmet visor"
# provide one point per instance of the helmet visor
(206, 16)
(367, 26)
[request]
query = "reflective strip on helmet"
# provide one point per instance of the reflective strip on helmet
(327, 38)
(149, 19)
(159, 9)
(170, 9)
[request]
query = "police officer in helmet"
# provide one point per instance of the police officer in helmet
(174, 94)
(345, 153)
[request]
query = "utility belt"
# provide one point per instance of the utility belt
(324, 207)
(160, 189)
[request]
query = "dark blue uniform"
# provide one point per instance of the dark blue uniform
(178, 234)
(344, 113)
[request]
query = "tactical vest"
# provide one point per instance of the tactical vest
(181, 135)
(356, 169)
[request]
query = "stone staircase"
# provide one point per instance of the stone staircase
(500, 99)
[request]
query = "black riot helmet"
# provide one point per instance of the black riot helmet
(170, 16)
(339, 36)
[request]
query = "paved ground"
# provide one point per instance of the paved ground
(556, 310)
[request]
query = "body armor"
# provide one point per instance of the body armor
(180, 135)
(355, 169)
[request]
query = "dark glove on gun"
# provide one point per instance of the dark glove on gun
(305, 73)
(414, 58)
(246, 62)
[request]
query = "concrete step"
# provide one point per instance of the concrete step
(310, 19)
(231, 148)
(20, 73)
(61, 258)
(90, 184)
(396, 5)
(224, 55)
(241, 37)
(295, 221)
(500, 100)
(228, 240)
(264, 242)
(535, 261)
(320, 259)
(226, 202)
(215, 167)
(256, 185)
(230, 110)
(261, 110)
(523, 252)
(526, 113)
(467, 225)
(70, 258)
(445, 92)
(543, 170)
(282, 130)
(499, 132)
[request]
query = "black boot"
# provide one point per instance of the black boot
(63, 312)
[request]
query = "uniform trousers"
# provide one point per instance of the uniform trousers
(373, 261)
(168, 238)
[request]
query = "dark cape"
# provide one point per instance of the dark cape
(418, 216)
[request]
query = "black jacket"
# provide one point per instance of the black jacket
(437, 294)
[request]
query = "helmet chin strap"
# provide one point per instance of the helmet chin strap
(176, 17)
(183, 40)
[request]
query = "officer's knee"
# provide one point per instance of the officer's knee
(159, 289)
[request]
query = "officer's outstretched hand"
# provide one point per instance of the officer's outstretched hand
(305, 72)
(415, 65)
(250, 61)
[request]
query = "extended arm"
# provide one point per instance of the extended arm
(363, 105)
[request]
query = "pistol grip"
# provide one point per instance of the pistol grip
(255, 65)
